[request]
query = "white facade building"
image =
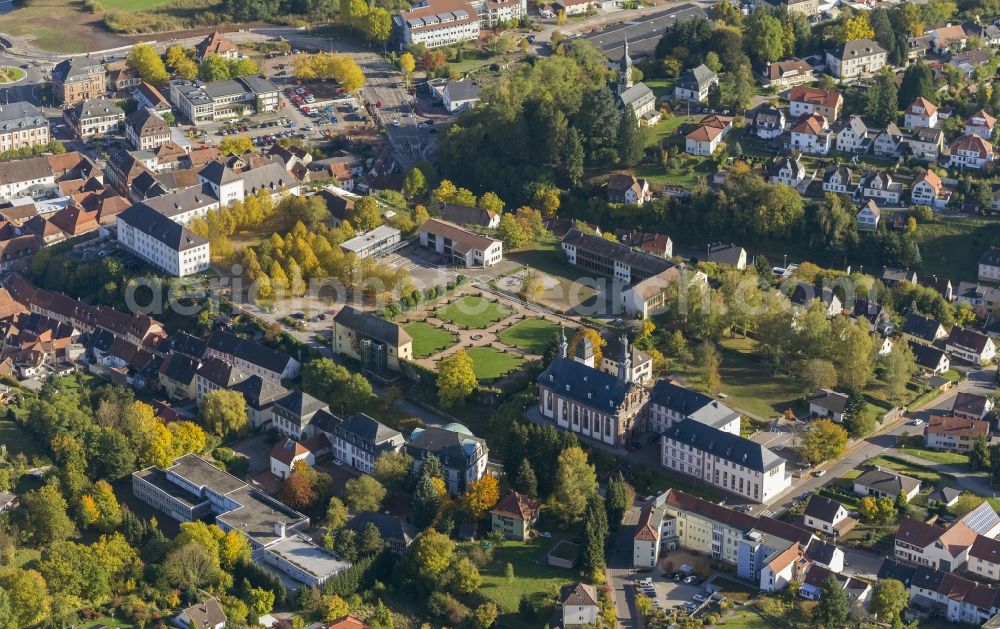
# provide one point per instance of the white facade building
(162, 242)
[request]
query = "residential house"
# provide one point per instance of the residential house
(214, 374)
(148, 97)
(458, 96)
(359, 440)
(22, 125)
(206, 615)
(972, 405)
(377, 343)
(879, 482)
(78, 78)
(825, 514)
(656, 244)
(854, 136)
(260, 394)
(957, 599)
(462, 454)
(788, 171)
(984, 558)
(460, 246)
(981, 124)
(888, 142)
(947, 496)
(947, 37)
(121, 77)
(467, 215)
(669, 403)
(970, 346)
(628, 189)
(145, 130)
(828, 403)
(926, 143)
(989, 265)
(251, 357)
(941, 285)
(923, 330)
(579, 605)
(727, 255)
(868, 216)
(286, 454)
(782, 74)
(920, 113)
(989, 33)
(982, 298)
(177, 376)
(707, 137)
(216, 44)
(694, 84)
(396, 532)
(160, 241)
(768, 122)
(93, 117)
(724, 460)
(802, 295)
(855, 59)
(945, 548)
(970, 151)
(579, 397)
(892, 276)
(930, 358)
(347, 622)
(954, 433)
(811, 135)
(928, 190)
(8, 501)
(838, 179)
(515, 515)
(880, 186)
(803, 101)
(292, 415)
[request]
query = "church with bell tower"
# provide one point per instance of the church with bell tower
(638, 96)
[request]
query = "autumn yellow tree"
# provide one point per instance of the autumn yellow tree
(334, 608)
(483, 495)
(187, 436)
(456, 378)
(858, 27)
(407, 64)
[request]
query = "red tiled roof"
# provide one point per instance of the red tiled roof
(517, 506)
(826, 98)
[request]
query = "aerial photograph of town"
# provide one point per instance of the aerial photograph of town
(460, 314)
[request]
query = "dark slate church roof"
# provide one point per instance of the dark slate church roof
(586, 385)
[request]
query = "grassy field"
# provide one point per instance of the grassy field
(427, 339)
(954, 245)
(745, 619)
(16, 440)
(914, 446)
(133, 5)
(490, 364)
(473, 312)
(63, 26)
(532, 575)
(531, 335)
(749, 385)
(920, 473)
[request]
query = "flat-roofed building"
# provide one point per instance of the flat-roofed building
(372, 243)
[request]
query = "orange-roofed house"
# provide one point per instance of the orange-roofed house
(216, 44)
(970, 151)
(347, 622)
(954, 433)
(928, 190)
(812, 135)
(810, 100)
(514, 515)
(705, 139)
(74, 220)
(981, 124)
(920, 113)
(285, 454)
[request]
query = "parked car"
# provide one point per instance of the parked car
(819, 473)
(699, 597)
(918, 422)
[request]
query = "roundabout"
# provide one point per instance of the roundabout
(11, 74)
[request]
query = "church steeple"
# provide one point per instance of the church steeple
(563, 345)
(625, 70)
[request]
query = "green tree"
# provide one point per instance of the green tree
(465, 576)
(415, 185)
(485, 615)
(631, 139)
(743, 86)
(899, 365)
(595, 529)
(214, 68)
(833, 609)
(575, 483)
(979, 456)
(144, 59)
(428, 557)
(824, 441)
(889, 599)
(336, 514)
(28, 597)
(365, 215)
(370, 540)
(223, 412)
(378, 24)
(617, 500)
(815, 373)
(44, 516)
(363, 493)
(881, 99)
(456, 379)
(426, 498)
(571, 157)
(918, 81)
(392, 469)
(490, 201)
(524, 480)
(513, 234)
(765, 36)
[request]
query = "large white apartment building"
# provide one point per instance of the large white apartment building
(724, 460)
(162, 242)
(671, 402)
(856, 58)
(436, 23)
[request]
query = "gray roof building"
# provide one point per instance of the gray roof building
(23, 115)
(724, 445)
(154, 224)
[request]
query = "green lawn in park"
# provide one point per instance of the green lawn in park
(531, 335)
(427, 339)
(490, 364)
(473, 312)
